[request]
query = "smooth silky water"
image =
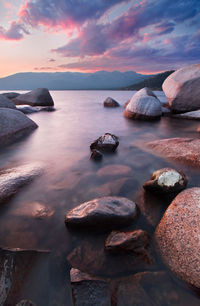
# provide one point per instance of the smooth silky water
(61, 143)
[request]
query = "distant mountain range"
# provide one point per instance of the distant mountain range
(154, 82)
(71, 80)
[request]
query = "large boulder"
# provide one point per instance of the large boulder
(103, 213)
(11, 95)
(107, 142)
(6, 103)
(11, 180)
(110, 102)
(14, 125)
(177, 236)
(37, 97)
(184, 150)
(143, 105)
(182, 89)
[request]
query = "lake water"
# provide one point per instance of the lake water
(61, 144)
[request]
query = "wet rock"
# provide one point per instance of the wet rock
(166, 180)
(6, 103)
(102, 213)
(114, 170)
(110, 102)
(11, 180)
(37, 97)
(107, 142)
(182, 89)
(16, 266)
(91, 257)
(136, 241)
(14, 125)
(143, 105)
(177, 236)
(11, 95)
(35, 109)
(88, 290)
(41, 211)
(152, 289)
(26, 303)
(194, 115)
(185, 150)
(96, 155)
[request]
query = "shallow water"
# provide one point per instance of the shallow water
(61, 144)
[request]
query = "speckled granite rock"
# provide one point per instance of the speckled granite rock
(185, 150)
(166, 180)
(177, 236)
(110, 102)
(108, 142)
(36, 97)
(102, 213)
(182, 89)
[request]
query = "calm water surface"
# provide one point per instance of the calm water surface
(61, 144)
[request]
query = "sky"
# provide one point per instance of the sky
(147, 36)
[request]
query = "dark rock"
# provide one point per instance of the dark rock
(88, 290)
(166, 180)
(11, 180)
(177, 236)
(103, 213)
(107, 142)
(14, 125)
(26, 303)
(110, 102)
(11, 95)
(6, 103)
(37, 97)
(96, 155)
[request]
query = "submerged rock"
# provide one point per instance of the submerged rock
(185, 150)
(110, 102)
(143, 105)
(182, 89)
(108, 142)
(35, 109)
(6, 103)
(177, 236)
(14, 125)
(89, 290)
(11, 95)
(103, 213)
(166, 180)
(37, 97)
(96, 155)
(113, 171)
(11, 180)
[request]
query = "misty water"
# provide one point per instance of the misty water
(61, 144)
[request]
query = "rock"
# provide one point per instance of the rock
(91, 257)
(177, 236)
(195, 115)
(88, 290)
(143, 105)
(6, 103)
(107, 142)
(110, 102)
(184, 150)
(11, 180)
(166, 180)
(152, 289)
(136, 241)
(114, 170)
(166, 111)
(11, 95)
(35, 109)
(37, 97)
(16, 267)
(126, 103)
(26, 303)
(14, 125)
(182, 89)
(96, 155)
(103, 213)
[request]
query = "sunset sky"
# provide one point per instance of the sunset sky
(146, 36)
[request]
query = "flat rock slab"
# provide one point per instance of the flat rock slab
(11, 180)
(103, 213)
(185, 150)
(16, 267)
(177, 236)
(195, 115)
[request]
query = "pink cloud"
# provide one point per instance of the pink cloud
(16, 31)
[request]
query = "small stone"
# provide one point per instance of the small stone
(110, 102)
(108, 142)
(96, 155)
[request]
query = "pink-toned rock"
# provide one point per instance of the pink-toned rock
(114, 170)
(177, 236)
(185, 150)
(182, 89)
